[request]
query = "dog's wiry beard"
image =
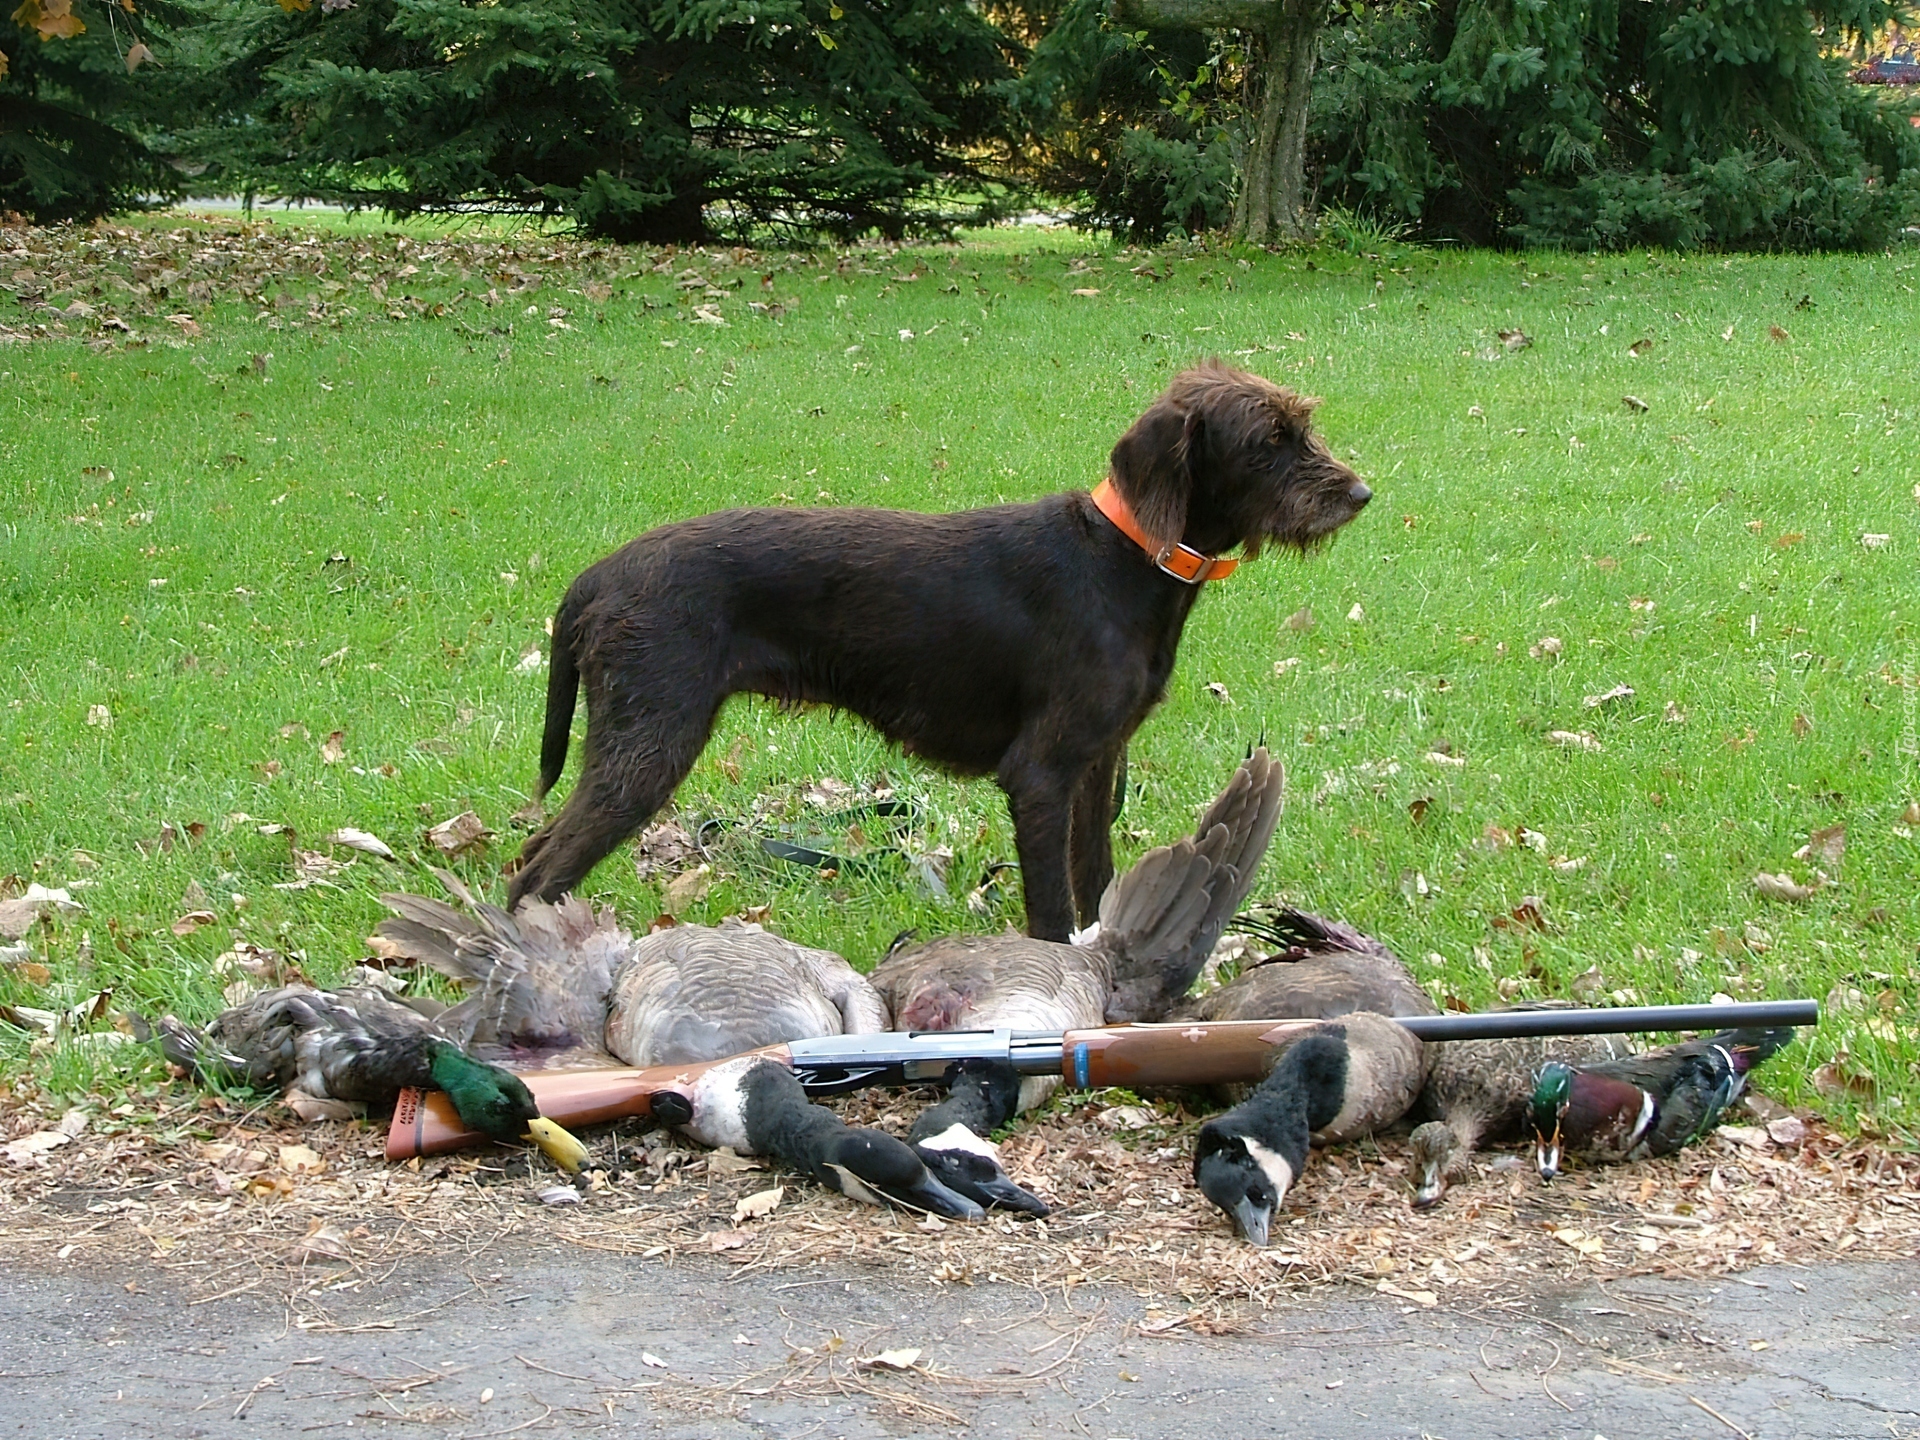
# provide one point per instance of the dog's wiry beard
(1316, 501)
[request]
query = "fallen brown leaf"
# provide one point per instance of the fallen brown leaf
(465, 832)
(1826, 846)
(1783, 887)
(358, 840)
(194, 920)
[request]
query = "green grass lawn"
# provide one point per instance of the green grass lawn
(367, 532)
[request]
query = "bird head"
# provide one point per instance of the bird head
(1547, 1109)
(1234, 1180)
(493, 1101)
(970, 1166)
(874, 1167)
(1435, 1152)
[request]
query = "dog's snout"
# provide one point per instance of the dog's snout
(1359, 493)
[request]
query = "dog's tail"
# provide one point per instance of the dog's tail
(563, 686)
(1160, 920)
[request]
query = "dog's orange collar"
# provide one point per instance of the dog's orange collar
(1182, 562)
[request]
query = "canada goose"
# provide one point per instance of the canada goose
(1158, 923)
(558, 985)
(1478, 1090)
(357, 1044)
(560, 977)
(1651, 1104)
(757, 1107)
(1246, 1160)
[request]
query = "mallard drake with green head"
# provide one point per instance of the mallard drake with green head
(1651, 1104)
(356, 1044)
(1479, 1091)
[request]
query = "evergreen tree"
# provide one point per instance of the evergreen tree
(1609, 123)
(658, 120)
(1132, 128)
(79, 93)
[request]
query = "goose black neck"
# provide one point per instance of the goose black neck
(781, 1121)
(982, 1096)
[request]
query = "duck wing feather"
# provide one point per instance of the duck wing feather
(537, 980)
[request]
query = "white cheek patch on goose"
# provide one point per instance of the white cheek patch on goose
(958, 1137)
(1273, 1165)
(720, 1106)
(854, 1188)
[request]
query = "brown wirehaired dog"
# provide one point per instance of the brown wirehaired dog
(1026, 642)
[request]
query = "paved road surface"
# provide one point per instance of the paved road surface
(564, 1341)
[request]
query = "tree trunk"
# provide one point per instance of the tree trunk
(1273, 184)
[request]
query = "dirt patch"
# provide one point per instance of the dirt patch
(232, 1200)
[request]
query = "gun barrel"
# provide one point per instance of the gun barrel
(1216, 1052)
(1612, 1020)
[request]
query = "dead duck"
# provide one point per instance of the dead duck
(357, 1044)
(1647, 1105)
(1322, 968)
(1246, 1160)
(561, 985)
(1479, 1090)
(1158, 923)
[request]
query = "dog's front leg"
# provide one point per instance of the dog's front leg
(1040, 799)
(1091, 845)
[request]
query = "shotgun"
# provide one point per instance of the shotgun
(1177, 1053)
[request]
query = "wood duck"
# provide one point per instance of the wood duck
(1651, 1104)
(1322, 968)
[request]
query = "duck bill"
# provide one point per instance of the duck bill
(1546, 1157)
(930, 1195)
(1251, 1221)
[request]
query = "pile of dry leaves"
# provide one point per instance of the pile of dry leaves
(232, 1200)
(120, 285)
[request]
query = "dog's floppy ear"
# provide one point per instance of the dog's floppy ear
(1152, 469)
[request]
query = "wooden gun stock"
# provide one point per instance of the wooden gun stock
(1200, 1053)
(425, 1122)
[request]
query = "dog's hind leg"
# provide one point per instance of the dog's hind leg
(633, 764)
(1095, 803)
